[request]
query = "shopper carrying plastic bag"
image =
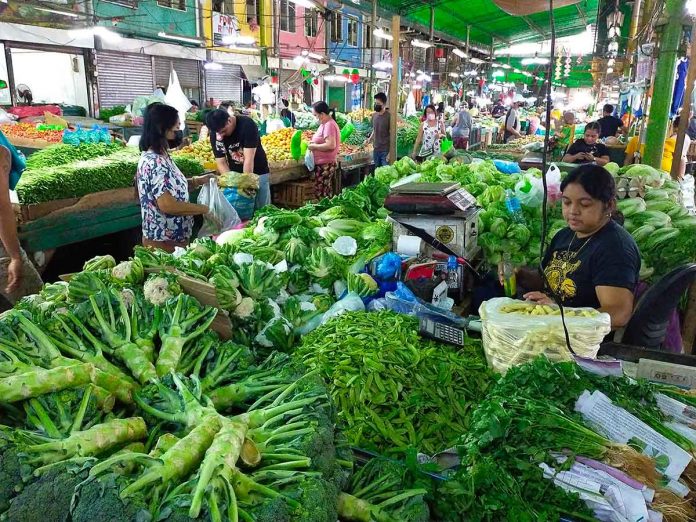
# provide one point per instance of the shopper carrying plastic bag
(221, 214)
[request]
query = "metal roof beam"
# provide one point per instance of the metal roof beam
(533, 26)
(581, 13)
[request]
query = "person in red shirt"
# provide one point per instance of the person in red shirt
(324, 146)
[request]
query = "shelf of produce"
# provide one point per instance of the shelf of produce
(78, 220)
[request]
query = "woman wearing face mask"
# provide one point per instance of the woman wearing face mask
(430, 134)
(324, 146)
(588, 149)
(162, 188)
(594, 262)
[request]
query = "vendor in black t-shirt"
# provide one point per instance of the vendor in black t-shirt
(236, 145)
(588, 149)
(609, 123)
(594, 262)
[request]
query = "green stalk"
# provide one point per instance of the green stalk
(199, 361)
(235, 394)
(93, 441)
(243, 485)
(42, 418)
(137, 362)
(180, 459)
(173, 341)
(79, 418)
(24, 386)
(212, 379)
(257, 418)
(220, 460)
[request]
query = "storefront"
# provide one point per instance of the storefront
(41, 62)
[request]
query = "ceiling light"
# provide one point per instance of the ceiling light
(212, 66)
(536, 60)
(299, 60)
(610, 70)
(102, 32)
(423, 78)
(527, 73)
(459, 52)
(315, 56)
(230, 39)
(498, 72)
(418, 43)
(505, 66)
(476, 60)
(382, 65)
(454, 75)
(412, 75)
(691, 7)
(380, 33)
(56, 11)
(304, 3)
(335, 78)
(186, 39)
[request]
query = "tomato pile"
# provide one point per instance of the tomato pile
(29, 131)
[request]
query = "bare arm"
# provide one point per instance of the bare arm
(572, 158)
(249, 154)
(222, 165)
(198, 181)
(602, 160)
(8, 224)
(617, 302)
(419, 139)
(169, 205)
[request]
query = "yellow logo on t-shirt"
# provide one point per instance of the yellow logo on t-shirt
(558, 272)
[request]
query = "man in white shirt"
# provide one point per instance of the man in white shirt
(512, 123)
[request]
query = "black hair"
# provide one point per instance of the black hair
(285, 113)
(217, 119)
(595, 180)
(431, 106)
(676, 121)
(321, 107)
(286, 103)
(608, 107)
(594, 125)
(194, 102)
(225, 104)
(380, 96)
(158, 119)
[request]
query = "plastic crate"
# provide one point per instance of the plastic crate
(293, 194)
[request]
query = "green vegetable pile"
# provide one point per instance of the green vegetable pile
(108, 112)
(77, 179)
(527, 416)
(406, 134)
(276, 278)
(63, 154)
(393, 389)
(117, 409)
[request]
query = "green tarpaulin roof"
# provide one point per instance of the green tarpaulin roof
(489, 22)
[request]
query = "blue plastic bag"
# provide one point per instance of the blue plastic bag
(507, 167)
(242, 204)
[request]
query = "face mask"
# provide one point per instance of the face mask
(178, 138)
(431, 117)
(378, 107)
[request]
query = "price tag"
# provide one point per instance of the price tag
(462, 199)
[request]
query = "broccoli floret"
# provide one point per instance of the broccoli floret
(48, 498)
(98, 499)
(10, 474)
(318, 499)
(271, 510)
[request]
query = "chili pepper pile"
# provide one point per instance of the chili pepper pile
(392, 388)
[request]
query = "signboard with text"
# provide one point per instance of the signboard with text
(224, 25)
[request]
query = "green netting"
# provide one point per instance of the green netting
(488, 21)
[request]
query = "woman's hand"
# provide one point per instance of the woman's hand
(538, 297)
(199, 181)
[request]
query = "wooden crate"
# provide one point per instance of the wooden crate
(293, 194)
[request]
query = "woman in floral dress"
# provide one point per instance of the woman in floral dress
(162, 188)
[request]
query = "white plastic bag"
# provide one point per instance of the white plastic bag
(221, 214)
(309, 160)
(511, 339)
(176, 98)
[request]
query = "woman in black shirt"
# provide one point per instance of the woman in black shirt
(588, 149)
(594, 262)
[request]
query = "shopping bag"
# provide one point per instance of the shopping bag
(221, 214)
(309, 160)
(176, 98)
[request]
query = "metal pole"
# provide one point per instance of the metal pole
(664, 83)
(394, 87)
(373, 54)
(686, 105)
(276, 43)
(635, 20)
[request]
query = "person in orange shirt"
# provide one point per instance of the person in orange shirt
(667, 154)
